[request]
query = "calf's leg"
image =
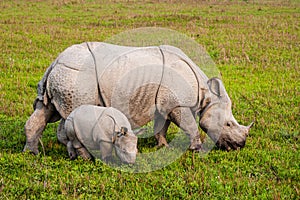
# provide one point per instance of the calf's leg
(74, 144)
(36, 124)
(106, 151)
(81, 150)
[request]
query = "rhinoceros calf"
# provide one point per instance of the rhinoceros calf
(144, 83)
(94, 131)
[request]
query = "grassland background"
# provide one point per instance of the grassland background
(256, 47)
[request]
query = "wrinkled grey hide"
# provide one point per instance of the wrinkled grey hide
(144, 83)
(97, 130)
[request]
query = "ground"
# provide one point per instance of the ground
(255, 44)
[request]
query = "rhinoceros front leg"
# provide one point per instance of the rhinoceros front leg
(184, 118)
(81, 150)
(75, 148)
(106, 151)
(36, 124)
(161, 126)
(74, 145)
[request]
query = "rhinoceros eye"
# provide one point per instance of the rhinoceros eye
(229, 124)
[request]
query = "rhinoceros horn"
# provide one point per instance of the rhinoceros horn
(248, 127)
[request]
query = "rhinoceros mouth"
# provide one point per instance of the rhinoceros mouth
(127, 157)
(230, 145)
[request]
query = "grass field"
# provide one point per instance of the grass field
(256, 46)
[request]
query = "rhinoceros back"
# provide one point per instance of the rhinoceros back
(141, 80)
(138, 81)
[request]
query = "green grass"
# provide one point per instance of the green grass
(256, 47)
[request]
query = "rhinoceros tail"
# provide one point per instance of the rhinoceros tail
(41, 87)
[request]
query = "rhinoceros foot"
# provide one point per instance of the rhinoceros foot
(162, 145)
(196, 145)
(32, 148)
(71, 151)
(161, 141)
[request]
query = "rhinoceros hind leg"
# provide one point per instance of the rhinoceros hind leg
(61, 133)
(184, 118)
(161, 126)
(36, 124)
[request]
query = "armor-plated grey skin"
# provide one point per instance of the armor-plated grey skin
(144, 83)
(94, 131)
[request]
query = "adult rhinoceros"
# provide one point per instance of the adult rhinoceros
(144, 83)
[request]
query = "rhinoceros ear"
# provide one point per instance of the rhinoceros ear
(124, 130)
(217, 88)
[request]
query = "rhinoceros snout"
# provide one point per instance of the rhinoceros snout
(129, 162)
(129, 159)
(231, 143)
(239, 145)
(234, 139)
(126, 156)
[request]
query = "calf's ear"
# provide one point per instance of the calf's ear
(124, 130)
